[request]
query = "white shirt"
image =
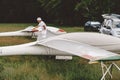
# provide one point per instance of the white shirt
(43, 31)
(40, 26)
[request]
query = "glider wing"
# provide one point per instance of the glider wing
(80, 49)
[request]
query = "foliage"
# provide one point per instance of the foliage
(20, 10)
(75, 12)
(61, 12)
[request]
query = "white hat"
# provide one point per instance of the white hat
(39, 18)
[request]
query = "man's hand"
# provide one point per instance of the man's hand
(35, 29)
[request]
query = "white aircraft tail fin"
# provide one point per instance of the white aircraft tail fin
(51, 31)
(56, 31)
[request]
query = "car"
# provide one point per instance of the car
(92, 26)
(110, 26)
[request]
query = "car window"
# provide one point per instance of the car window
(117, 25)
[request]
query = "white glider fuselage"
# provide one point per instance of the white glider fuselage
(29, 49)
(106, 42)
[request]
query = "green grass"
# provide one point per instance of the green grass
(44, 67)
(14, 26)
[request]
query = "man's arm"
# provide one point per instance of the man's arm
(44, 27)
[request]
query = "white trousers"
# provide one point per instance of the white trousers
(41, 35)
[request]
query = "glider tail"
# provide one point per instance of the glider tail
(51, 31)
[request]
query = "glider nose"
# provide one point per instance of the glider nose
(61, 30)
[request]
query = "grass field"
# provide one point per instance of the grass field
(44, 67)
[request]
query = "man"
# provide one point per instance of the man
(40, 28)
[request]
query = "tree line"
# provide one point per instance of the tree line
(62, 12)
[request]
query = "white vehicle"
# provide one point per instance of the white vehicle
(111, 26)
(95, 47)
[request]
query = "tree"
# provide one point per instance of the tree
(76, 11)
(91, 9)
(68, 12)
(61, 11)
(20, 10)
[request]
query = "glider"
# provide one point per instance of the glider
(95, 47)
(51, 31)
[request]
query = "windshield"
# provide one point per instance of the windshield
(116, 25)
(115, 15)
